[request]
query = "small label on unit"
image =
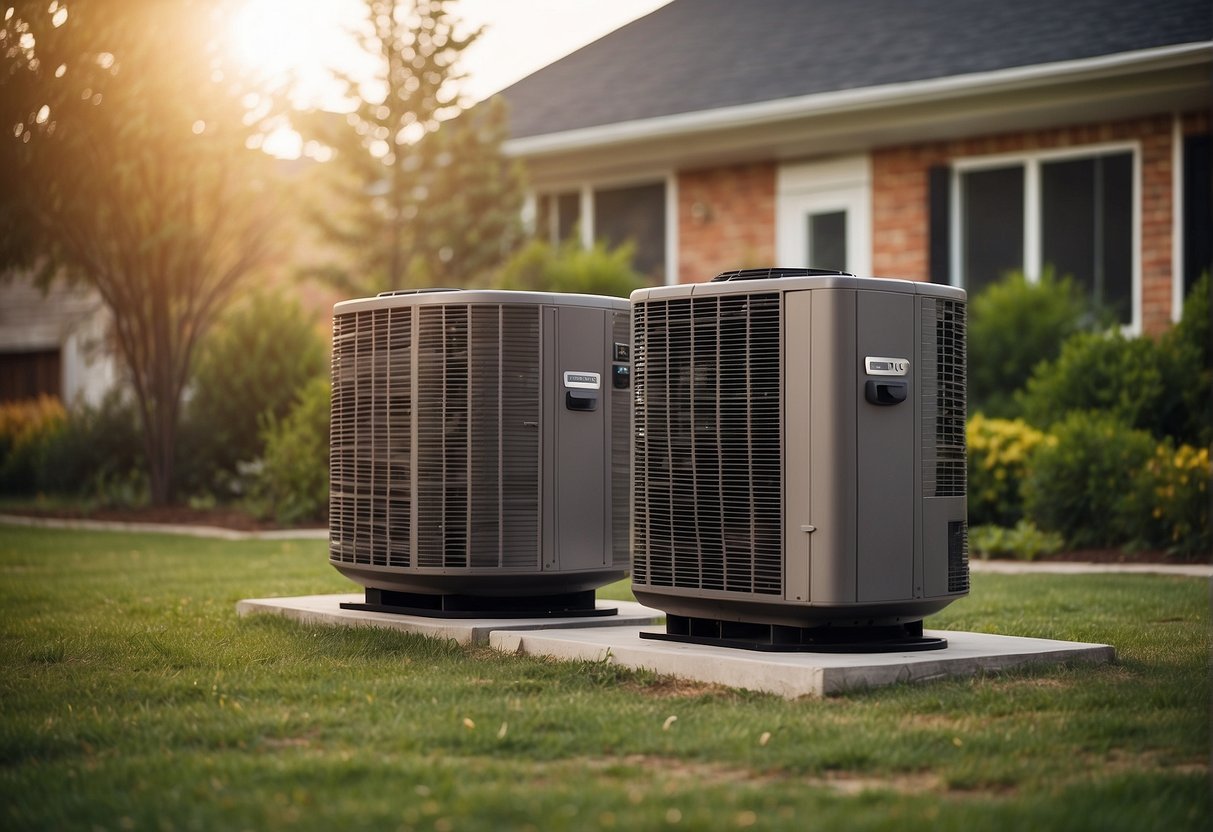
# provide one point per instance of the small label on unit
(880, 366)
(582, 381)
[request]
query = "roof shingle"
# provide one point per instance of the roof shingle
(695, 55)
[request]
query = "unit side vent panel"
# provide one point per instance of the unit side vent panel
(958, 556)
(707, 487)
(462, 382)
(943, 391)
(621, 428)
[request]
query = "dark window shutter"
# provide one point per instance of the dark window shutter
(1197, 216)
(939, 192)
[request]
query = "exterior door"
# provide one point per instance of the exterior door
(822, 213)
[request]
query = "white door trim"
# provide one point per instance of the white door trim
(839, 184)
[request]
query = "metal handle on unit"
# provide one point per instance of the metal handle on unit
(885, 392)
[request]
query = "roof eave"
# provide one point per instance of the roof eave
(1017, 79)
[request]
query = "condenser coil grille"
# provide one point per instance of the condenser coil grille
(707, 510)
(470, 415)
(943, 392)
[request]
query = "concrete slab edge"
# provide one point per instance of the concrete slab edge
(759, 672)
(348, 618)
(325, 610)
(837, 681)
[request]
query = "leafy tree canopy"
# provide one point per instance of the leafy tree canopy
(124, 138)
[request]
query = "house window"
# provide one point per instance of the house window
(633, 214)
(1086, 228)
(557, 216)
(27, 375)
(991, 225)
(1071, 213)
(827, 240)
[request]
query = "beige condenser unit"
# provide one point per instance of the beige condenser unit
(799, 459)
(479, 450)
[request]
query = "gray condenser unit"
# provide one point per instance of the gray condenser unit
(799, 459)
(479, 449)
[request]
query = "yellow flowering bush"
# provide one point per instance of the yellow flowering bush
(21, 422)
(999, 454)
(24, 426)
(1171, 502)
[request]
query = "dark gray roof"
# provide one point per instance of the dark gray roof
(697, 55)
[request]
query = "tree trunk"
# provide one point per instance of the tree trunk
(160, 439)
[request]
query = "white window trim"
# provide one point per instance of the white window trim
(1177, 218)
(671, 229)
(585, 189)
(1031, 161)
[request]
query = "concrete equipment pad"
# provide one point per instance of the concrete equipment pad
(799, 674)
(326, 609)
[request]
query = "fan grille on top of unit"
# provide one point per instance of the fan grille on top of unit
(441, 401)
(775, 272)
(707, 498)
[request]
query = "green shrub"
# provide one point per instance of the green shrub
(1079, 478)
(98, 454)
(1013, 326)
(999, 450)
(293, 482)
(1169, 508)
(1022, 541)
(1163, 387)
(250, 367)
(1187, 349)
(25, 428)
(1104, 372)
(538, 267)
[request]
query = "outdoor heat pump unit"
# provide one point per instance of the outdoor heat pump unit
(479, 450)
(799, 459)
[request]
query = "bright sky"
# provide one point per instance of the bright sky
(521, 36)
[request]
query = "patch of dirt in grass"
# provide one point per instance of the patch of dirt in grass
(675, 771)
(1119, 761)
(671, 687)
(280, 743)
(852, 783)
(678, 770)
(928, 721)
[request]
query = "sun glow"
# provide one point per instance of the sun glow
(300, 47)
(300, 42)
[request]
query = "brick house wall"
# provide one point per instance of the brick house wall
(726, 219)
(899, 196)
(726, 215)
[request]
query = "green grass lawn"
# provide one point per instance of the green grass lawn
(131, 697)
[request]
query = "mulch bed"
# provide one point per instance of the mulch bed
(224, 518)
(1115, 556)
(231, 518)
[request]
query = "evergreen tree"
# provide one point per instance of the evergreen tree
(420, 193)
